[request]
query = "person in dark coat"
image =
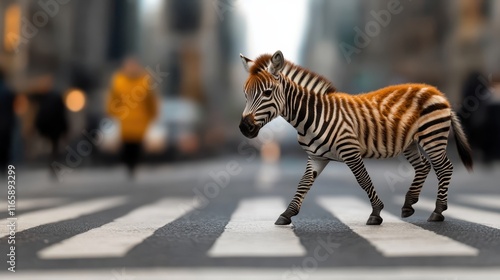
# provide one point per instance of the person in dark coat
(51, 120)
(473, 110)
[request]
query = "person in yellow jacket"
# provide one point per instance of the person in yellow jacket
(132, 101)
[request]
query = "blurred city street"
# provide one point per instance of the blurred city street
(197, 221)
(127, 146)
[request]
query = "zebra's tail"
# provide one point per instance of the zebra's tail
(464, 150)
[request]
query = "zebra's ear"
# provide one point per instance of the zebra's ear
(247, 62)
(277, 63)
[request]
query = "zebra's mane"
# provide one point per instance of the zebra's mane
(299, 75)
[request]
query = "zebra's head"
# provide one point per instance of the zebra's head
(263, 92)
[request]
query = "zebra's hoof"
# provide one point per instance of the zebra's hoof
(436, 217)
(374, 221)
(407, 212)
(283, 221)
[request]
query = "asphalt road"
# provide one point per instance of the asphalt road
(184, 222)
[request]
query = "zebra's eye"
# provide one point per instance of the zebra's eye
(267, 92)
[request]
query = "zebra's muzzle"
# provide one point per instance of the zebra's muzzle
(248, 127)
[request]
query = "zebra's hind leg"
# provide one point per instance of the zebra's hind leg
(444, 168)
(313, 168)
(355, 163)
(422, 168)
(433, 138)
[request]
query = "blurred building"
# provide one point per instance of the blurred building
(438, 43)
(81, 42)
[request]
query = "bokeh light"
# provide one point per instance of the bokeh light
(75, 100)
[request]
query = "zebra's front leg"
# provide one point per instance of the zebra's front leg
(355, 163)
(313, 169)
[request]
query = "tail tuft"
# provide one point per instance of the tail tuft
(464, 150)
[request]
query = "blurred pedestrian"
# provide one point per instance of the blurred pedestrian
(7, 120)
(132, 101)
(480, 113)
(51, 119)
(491, 126)
(473, 111)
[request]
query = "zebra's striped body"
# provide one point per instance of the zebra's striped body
(378, 125)
(341, 127)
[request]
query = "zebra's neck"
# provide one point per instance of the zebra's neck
(301, 105)
(309, 80)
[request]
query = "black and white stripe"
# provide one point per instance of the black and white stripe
(341, 127)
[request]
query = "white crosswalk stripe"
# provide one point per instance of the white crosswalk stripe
(32, 203)
(57, 214)
(492, 201)
(390, 273)
(394, 238)
(251, 232)
(115, 239)
(473, 215)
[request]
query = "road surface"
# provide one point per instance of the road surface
(215, 220)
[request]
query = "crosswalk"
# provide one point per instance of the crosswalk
(401, 273)
(491, 201)
(57, 214)
(483, 217)
(394, 238)
(126, 232)
(32, 203)
(250, 231)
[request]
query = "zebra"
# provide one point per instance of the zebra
(332, 126)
